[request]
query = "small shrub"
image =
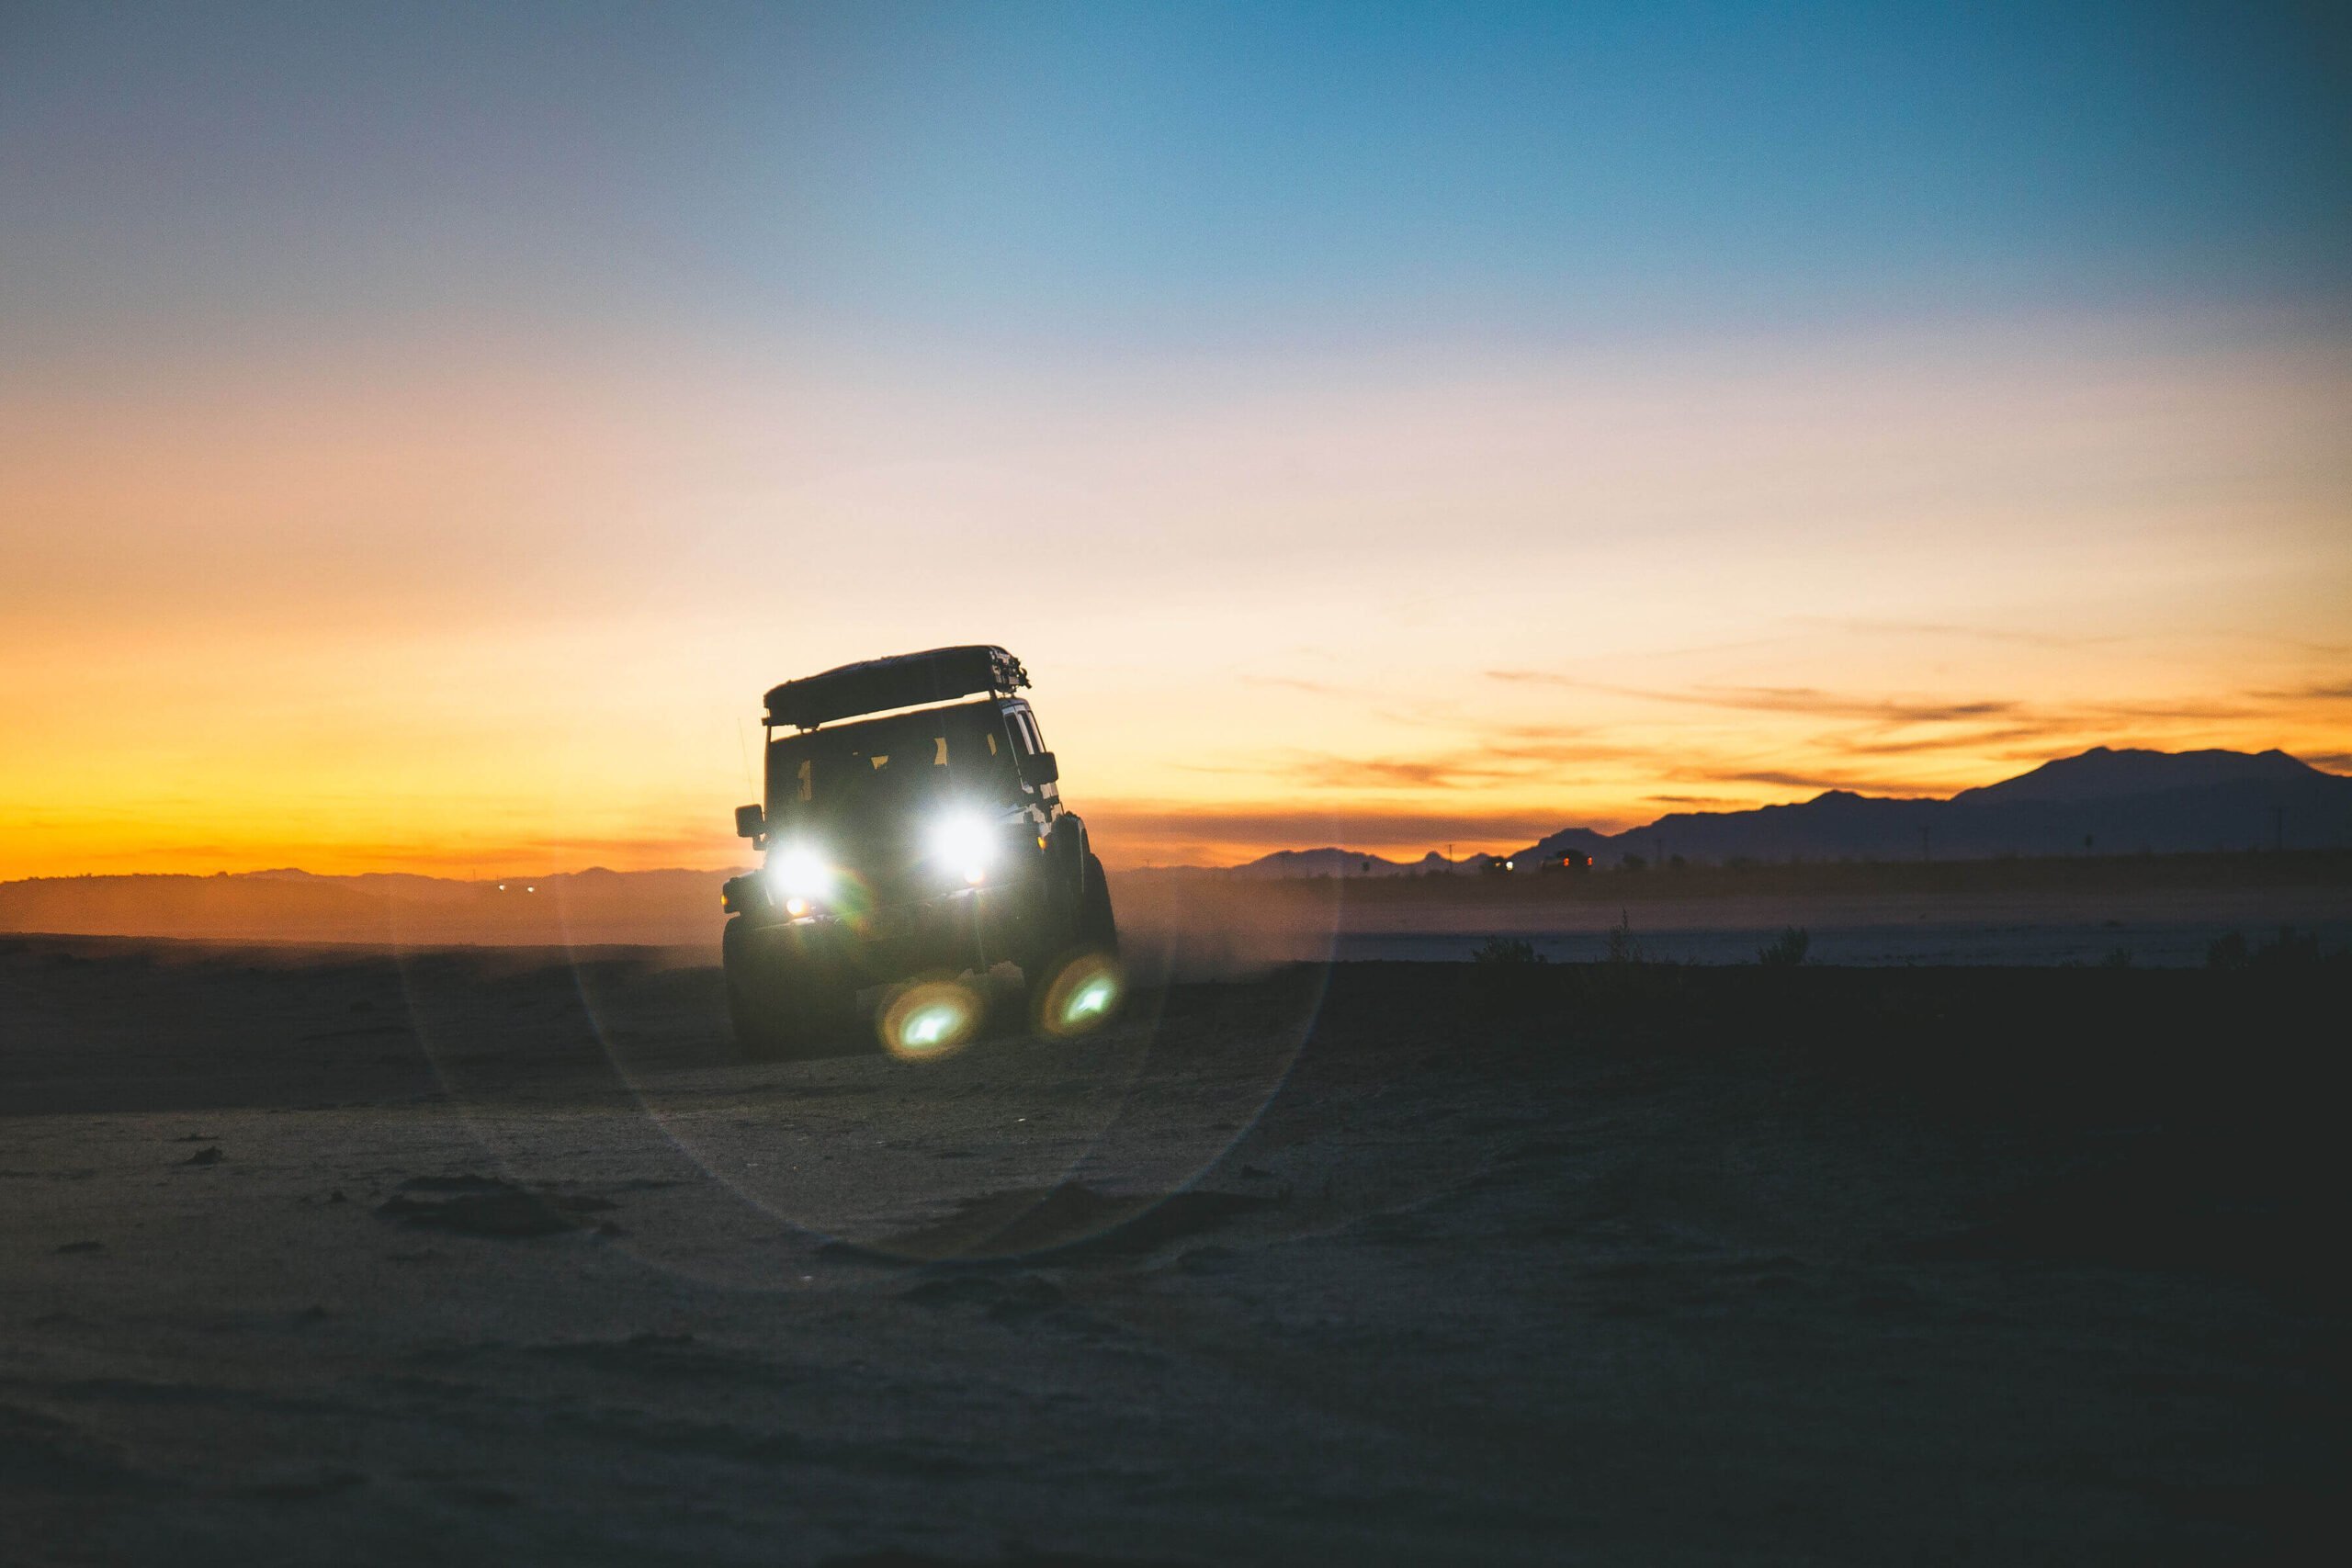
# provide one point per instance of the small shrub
(2293, 950)
(1623, 948)
(1787, 950)
(2116, 958)
(1507, 952)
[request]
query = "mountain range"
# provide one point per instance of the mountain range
(2102, 801)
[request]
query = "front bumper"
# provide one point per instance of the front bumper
(969, 928)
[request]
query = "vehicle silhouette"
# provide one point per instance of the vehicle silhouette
(922, 844)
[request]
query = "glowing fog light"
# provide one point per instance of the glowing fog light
(801, 875)
(929, 1020)
(965, 843)
(1084, 995)
(930, 1025)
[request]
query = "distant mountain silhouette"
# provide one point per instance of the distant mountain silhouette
(2103, 774)
(2102, 801)
(660, 907)
(1581, 839)
(1320, 862)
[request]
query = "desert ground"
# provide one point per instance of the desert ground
(1209, 928)
(376, 1257)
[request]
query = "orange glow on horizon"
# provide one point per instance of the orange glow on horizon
(471, 621)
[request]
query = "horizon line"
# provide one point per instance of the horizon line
(1429, 849)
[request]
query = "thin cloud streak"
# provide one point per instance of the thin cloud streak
(1822, 782)
(1294, 683)
(1779, 699)
(1136, 833)
(1471, 768)
(2058, 724)
(1872, 627)
(1895, 711)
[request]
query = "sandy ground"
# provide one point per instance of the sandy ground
(501, 1258)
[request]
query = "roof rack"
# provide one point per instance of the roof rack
(905, 680)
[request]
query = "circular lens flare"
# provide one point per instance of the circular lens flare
(1081, 996)
(1214, 931)
(929, 1020)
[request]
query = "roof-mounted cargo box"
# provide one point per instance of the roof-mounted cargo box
(906, 680)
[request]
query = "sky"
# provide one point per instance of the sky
(425, 431)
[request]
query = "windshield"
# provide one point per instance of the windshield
(887, 768)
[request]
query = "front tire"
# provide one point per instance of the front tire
(1098, 928)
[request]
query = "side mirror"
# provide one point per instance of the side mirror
(750, 822)
(1039, 770)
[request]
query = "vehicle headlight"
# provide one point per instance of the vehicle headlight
(965, 843)
(799, 877)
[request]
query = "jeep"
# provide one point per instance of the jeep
(922, 844)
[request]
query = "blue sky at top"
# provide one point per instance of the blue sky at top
(1196, 173)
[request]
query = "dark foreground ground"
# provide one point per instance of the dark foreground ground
(355, 1258)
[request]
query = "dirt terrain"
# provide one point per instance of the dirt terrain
(357, 1256)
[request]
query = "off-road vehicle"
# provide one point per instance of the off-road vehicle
(920, 844)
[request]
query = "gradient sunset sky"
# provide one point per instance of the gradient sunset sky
(425, 431)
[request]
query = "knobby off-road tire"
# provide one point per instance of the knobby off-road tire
(1089, 939)
(1098, 928)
